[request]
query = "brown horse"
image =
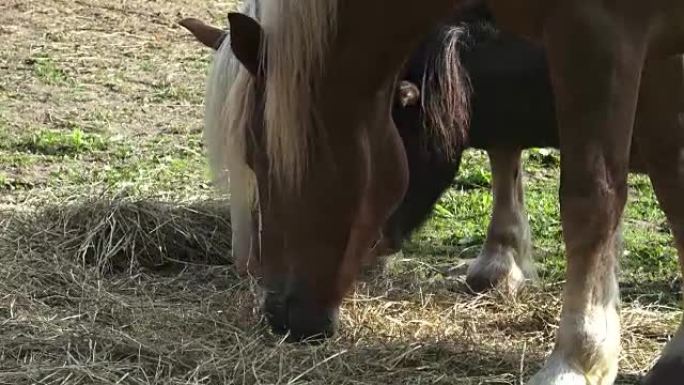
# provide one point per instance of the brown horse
(328, 173)
(433, 97)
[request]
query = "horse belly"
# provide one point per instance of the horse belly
(636, 163)
(512, 98)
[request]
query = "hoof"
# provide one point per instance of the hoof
(559, 372)
(507, 277)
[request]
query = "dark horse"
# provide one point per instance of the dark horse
(503, 82)
(509, 99)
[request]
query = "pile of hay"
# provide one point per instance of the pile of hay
(115, 291)
(121, 233)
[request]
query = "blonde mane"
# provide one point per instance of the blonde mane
(297, 36)
(229, 98)
(297, 33)
(230, 94)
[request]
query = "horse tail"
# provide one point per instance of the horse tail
(445, 89)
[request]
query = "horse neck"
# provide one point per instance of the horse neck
(379, 48)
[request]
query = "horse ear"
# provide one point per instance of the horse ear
(407, 93)
(210, 36)
(246, 37)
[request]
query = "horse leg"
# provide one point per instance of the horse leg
(660, 134)
(596, 56)
(505, 258)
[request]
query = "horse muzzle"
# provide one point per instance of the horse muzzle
(299, 317)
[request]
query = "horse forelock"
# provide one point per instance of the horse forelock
(446, 91)
(297, 35)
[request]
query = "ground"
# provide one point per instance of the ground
(114, 246)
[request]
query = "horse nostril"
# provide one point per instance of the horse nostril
(302, 321)
(311, 323)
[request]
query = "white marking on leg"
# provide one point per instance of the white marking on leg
(498, 268)
(588, 340)
(587, 349)
(505, 258)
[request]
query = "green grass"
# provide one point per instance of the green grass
(459, 223)
(168, 92)
(59, 143)
(48, 71)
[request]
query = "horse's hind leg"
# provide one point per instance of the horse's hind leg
(505, 258)
(596, 57)
(660, 135)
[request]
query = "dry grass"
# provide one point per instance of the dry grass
(113, 248)
(138, 292)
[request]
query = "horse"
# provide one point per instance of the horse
(508, 91)
(311, 109)
(448, 106)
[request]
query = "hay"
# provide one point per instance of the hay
(116, 291)
(131, 291)
(116, 234)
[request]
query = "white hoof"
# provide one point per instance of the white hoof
(558, 374)
(500, 272)
(559, 371)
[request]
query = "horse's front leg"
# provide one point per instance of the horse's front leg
(505, 261)
(596, 57)
(660, 134)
